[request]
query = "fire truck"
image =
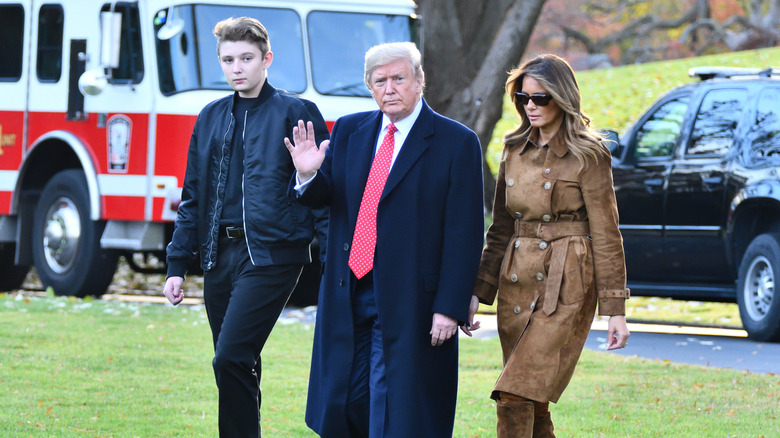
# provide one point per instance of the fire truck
(98, 100)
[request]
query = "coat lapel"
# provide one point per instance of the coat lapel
(359, 155)
(416, 143)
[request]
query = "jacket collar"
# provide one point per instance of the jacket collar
(265, 93)
(556, 144)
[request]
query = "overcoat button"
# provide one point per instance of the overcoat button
(514, 278)
(517, 309)
(547, 218)
(510, 182)
(547, 171)
(517, 243)
(533, 304)
(547, 185)
(542, 245)
(346, 247)
(539, 276)
(341, 282)
(518, 215)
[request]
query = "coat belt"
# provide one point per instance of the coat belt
(557, 234)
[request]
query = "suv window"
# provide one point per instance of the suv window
(658, 135)
(716, 121)
(12, 39)
(766, 133)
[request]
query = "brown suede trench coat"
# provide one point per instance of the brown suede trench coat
(553, 251)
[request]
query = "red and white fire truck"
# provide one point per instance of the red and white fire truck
(97, 104)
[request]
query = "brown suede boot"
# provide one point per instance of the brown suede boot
(515, 416)
(543, 425)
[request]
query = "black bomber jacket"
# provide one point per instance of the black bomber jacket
(277, 229)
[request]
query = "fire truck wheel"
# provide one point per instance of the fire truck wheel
(11, 276)
(66, 243)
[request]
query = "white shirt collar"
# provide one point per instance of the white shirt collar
(404, 125)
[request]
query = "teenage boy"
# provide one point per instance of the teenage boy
(252, 241)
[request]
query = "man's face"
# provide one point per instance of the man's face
(395, 89)
(244, 66)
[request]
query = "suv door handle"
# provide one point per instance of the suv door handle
(713, 180)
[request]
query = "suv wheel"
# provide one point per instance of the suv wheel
(759, 305)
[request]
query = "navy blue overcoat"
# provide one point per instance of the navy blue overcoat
(429, 242)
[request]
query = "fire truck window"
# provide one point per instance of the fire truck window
(131, 61)
(338, 42)
(49, 64)
(188, 61)
(12, 40)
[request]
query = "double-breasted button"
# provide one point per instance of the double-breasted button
(547, 185)
(546, 218)
(542, 245)
(517, 243)
(510, 182)
(539, 276)
(341, 282)
(533, 304)
(513, 277)
(518, 215)
(547, 171)
(346, 247)
(517, 309)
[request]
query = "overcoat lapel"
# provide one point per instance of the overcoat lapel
(416, 143)
(359, 155)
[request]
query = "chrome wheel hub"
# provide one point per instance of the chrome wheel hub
(759, 288)
(61, 235)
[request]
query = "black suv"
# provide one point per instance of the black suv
(697, 179)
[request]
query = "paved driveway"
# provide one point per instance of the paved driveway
(721, 348)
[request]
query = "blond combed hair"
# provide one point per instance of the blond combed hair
(242, 29)
(386, 53)
(556, 76)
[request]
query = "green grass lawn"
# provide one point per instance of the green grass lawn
(73, 368)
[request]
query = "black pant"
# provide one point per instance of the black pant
(243, 302)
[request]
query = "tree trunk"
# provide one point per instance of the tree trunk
(468, 48)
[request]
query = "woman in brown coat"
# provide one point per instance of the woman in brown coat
(554, 249)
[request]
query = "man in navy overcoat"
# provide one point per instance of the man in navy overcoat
(385, 357)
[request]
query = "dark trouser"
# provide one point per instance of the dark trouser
(243, 302)
(367, 397)
(520, 417)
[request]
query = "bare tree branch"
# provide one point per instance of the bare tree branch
(465, 74)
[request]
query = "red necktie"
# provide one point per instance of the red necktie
(361, 258)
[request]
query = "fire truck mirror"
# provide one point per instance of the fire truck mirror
(172, 27)
(111, 31)
(92, 82)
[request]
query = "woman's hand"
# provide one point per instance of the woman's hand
(617, 332)
(471, 325)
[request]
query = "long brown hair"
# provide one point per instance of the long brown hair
(556, 76)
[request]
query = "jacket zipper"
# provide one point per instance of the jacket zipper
(243, 179)
(216, 197)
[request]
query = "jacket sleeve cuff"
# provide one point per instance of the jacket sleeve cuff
(485, 291)
(176, 268)
(613, 302)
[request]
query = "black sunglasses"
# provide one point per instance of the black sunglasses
(539, 99)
